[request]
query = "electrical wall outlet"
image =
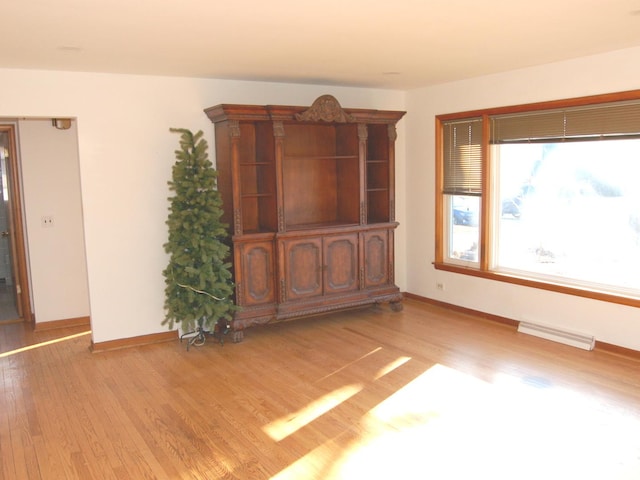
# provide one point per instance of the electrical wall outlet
(439, 285)
(47, 221)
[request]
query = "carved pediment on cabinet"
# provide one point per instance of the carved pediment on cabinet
(327, 109)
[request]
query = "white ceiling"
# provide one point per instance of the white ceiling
(397, 44)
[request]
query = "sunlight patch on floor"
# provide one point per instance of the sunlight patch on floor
(43, 344)
(450, 425)
(375, 350)
(391, 367)
(285, 426)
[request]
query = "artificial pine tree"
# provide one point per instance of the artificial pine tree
(198, 278)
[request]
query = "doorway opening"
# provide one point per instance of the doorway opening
(15, 304)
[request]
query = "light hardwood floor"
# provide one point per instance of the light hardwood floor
(425, 393)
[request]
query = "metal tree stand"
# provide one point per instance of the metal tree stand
(199, 336)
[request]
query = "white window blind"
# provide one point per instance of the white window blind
(615, 120)
(462, 151)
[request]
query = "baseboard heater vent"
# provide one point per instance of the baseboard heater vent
(586, 342)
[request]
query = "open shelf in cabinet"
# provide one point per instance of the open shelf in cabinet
(257, 177)
(378, 174)
(321, 175)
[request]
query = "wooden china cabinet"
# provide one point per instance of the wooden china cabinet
(308, 194)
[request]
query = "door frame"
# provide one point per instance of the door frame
(16, 228)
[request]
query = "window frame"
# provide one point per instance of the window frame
(482, 270)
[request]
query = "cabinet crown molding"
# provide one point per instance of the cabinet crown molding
(327, 109)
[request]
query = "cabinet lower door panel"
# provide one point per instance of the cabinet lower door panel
(376, 258)
(255, 282)
(302, 268)
(341, 263)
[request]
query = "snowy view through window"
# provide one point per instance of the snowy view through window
(569, 211)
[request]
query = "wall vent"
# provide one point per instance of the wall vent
(586, 342)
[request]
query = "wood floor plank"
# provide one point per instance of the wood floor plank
(362, 394)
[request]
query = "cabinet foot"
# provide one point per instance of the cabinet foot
(237, 336)
(396, 306)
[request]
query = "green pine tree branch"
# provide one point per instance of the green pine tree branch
(198, 280)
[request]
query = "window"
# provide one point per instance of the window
(462, 187)
(544, 195)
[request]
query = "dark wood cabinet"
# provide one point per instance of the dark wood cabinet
(308, 194)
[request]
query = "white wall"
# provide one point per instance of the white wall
(612, 72)
(126, 154)
(51, 187)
